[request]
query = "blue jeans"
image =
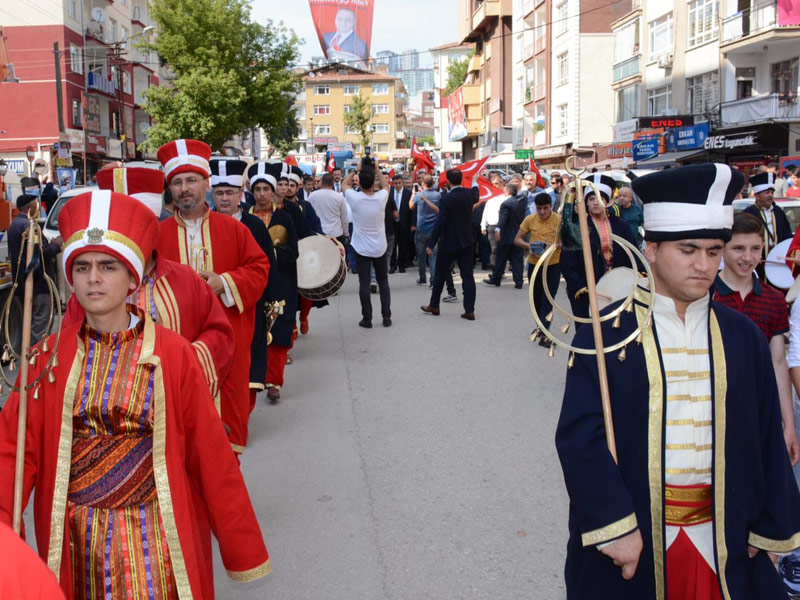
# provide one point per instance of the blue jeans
(421, 243)
(351, 254)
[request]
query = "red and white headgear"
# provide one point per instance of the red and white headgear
(111, 223)
(185, 156)
(142, 183)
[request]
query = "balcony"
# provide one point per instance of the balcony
(754, 26)
(627, 68)
(539, 44)
(99, 81)
(759, 109)
(527, 7)
(475, 63)
(488, 10)
(527, 52)
(473, 108)
(539, 91)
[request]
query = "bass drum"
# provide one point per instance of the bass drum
(321, 267)
(778, 274)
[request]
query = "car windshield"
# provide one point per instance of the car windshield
(52, 217)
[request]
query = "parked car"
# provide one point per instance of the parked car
(790, 206)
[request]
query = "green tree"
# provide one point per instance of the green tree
(359, 118)
(456, 74)
(426, 140)
(228, 73)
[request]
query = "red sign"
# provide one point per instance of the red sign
(623, 149)
(344, 29)
(669, 122)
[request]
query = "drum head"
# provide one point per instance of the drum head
(778, 274)
(615, 285)
(318, 262)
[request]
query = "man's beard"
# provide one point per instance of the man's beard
(186, 204)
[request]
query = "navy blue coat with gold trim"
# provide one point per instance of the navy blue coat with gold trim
(756, 500)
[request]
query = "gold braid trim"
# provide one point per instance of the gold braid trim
(252, 574)
(610, 532)
(782, 546)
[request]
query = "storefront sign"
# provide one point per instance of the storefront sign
(63, 154)
(96, 144)
(666, 122)
(91, 112)
(17, 165)
(624, 130)
(523, 154)
(319, 141)
(731, 142)
(114, 149)
(687, 138)
(645, 149)
(550, 151)
(618, 150)
(76, 140)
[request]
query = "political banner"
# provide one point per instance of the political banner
(456, 116)
(344, 29)
(788, 13)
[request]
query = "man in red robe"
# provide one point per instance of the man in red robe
(224, 253)
(172, 294)
(119, 440)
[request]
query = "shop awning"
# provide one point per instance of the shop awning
(669, 159)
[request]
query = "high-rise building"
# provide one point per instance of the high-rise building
(408, 60)
(388, 58)
(103, 78)
(416, 80)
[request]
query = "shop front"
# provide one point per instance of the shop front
(747, 148)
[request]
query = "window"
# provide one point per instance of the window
(702, 92)
(76, 59)
(561, 18)
(300, 111)
(783, 77)
(702, 21)
(348, 108)
(77, 113)
(380, 109)
(111, 31)
(563, 119)
(381, 147)
(322, 109)
(123, 35)
(126, 82)
(659, 100)
(322, 90)
(660, 37)
(72, 9)
(322, 129)
(350, 130)
(628, 99)
(352, 89)
(563, 68)
(380, 89)
(380, 128)
(626, 42)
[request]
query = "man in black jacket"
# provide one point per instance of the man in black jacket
(454, 227)
(512, 213)
(764, 208)
(28, 204)
(400, 199)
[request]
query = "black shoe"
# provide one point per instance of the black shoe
(518, 286)
(392, 270)
(387, 321)
(402, 270)
(373, 287)
(490, 281)
(421, 282)
(365, 323)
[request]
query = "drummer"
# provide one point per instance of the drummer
(737, 287)
(772, 217)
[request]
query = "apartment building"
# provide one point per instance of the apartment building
(724, 69)
(326, 97)
(443, 57)
(102, 80)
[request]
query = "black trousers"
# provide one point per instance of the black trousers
(504, 252)
(444, 260)
(401, 257)
(364, 264)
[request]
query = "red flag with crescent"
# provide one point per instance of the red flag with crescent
(331, 163)
(421, 159)
(540, 181)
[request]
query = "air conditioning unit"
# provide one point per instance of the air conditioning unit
(665, 60)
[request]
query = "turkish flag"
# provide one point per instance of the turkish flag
(421, 159)
(331, 164)
(540, 181)
(487, 190)
(291, 160)
(468, 169)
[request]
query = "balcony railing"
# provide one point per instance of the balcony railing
(627, 68)
(527, 7)
(540, 43)
(527, 52)
(760, 108)
(760, 17)
(539, 91)
(99, 81)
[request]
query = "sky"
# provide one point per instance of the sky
(397, 24)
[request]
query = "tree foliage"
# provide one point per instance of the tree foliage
(456, 74)
(228, 73)
(359, 117)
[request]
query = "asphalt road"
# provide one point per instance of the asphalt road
(411, 462)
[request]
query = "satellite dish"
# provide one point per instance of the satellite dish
(98, 14)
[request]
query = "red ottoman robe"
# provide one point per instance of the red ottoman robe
(186, 305)
(234, 255)
(189, 456)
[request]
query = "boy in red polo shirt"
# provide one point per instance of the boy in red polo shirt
(737, 287)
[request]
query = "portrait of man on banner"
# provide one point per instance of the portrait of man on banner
(456, 116)
(344, 28)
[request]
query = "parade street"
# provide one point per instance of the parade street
(411, 462)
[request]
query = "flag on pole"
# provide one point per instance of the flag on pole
(540, 181)
(421, 159)
(331, 163)
(291, 160)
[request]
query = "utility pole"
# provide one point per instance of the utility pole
(117, 58)
(59, 99)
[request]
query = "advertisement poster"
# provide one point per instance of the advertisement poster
(788, 12)
(456, 116)
(344, 29)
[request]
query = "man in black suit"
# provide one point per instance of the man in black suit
(454, 227)
(400, 198)
(512, 213)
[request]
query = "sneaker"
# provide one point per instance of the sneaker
(450, 298)
(373, 287)
(789, 568)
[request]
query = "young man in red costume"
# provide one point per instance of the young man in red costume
(119, 441)
(172, 294)
(224, 253)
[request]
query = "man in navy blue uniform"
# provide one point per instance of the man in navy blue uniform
(703, 489)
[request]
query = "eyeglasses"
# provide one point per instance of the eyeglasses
(190, 181)
(228, 193)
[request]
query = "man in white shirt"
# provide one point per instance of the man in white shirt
(491, 214)
(331, 209)
(368, 208)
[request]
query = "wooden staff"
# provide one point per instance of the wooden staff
(22, 423)
(605, 395)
